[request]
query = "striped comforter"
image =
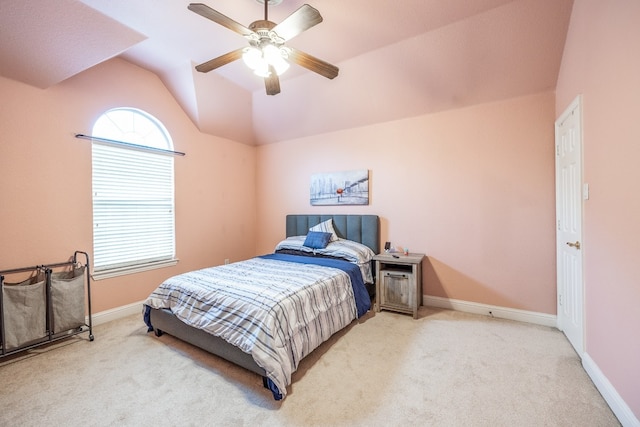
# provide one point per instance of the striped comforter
(278, 311)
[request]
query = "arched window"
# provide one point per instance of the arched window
(133, 194)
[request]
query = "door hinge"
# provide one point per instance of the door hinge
(560, 299)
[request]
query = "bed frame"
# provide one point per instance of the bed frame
(364, 229)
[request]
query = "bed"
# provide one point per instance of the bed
(267, 313)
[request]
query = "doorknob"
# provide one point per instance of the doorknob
(574, 245)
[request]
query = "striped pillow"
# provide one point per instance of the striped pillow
(326, 227)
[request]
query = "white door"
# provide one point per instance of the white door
(569, 197)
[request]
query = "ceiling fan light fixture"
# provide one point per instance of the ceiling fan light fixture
(262, 70)
(274, 56)
(259, 60)
(252, 57)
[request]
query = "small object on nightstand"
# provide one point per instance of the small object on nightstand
(399, 282)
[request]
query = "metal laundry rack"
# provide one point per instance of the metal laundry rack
(45, 293)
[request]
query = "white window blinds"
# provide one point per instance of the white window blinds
(133, 204)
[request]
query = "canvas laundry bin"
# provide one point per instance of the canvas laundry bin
(25, 311)
(67, 299)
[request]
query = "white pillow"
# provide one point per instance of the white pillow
(326, 227)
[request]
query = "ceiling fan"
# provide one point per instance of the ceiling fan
(267, 54)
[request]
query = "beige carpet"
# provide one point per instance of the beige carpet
(444, 369)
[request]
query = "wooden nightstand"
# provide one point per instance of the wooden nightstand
(399, 282)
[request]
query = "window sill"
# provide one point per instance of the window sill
(123, 271)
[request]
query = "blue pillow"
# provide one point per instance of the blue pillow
(317, 239)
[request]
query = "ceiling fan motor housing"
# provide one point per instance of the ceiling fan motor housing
(263, 35)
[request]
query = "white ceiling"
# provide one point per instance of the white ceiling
(396, 59)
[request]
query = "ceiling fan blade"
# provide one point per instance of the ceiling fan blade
(312, 63)
(272, 82)
(214, 63)
(302, 19)
(219, 18)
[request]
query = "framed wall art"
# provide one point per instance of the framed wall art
(340, 188)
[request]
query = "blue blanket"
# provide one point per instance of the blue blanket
(363, 301)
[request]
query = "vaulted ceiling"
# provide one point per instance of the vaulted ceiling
(396, 59)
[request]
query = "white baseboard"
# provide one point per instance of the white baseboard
(611, 396)
(117, 313)
(490, 310)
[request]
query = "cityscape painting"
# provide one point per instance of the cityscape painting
(340, 188)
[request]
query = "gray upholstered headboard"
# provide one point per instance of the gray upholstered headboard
(364, 229)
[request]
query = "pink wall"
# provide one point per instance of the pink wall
(45, 178)
(601, 61)
(472, 188)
